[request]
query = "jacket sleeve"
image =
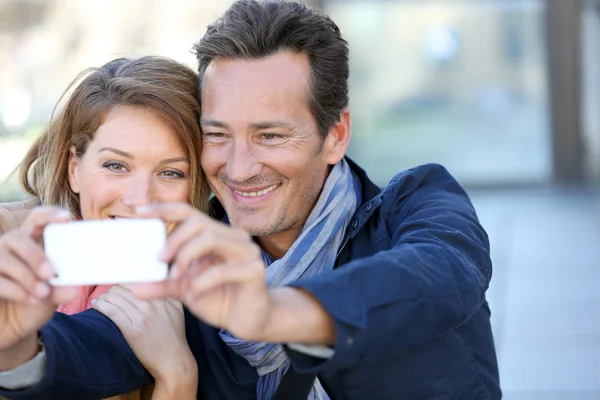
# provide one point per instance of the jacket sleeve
(429, 279)
(87, 357)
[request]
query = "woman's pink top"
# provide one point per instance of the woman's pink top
(84, 300)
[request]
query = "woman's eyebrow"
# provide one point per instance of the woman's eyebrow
(116, 151)
(175, 160)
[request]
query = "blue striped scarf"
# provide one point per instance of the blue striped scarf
(313, 252)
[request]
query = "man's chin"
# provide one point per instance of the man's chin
(253, 224)
(258, 230)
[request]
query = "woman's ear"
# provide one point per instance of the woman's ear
(73, 170)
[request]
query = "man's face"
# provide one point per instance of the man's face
(262, 153)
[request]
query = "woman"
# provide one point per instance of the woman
(127, 136)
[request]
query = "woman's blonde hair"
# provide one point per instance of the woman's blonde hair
(166, 87)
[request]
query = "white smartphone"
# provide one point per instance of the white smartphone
(106, 251)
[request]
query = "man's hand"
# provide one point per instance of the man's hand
(217, 271)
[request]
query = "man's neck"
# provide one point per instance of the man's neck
(277, 245)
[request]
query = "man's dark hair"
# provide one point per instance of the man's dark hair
(254, 29)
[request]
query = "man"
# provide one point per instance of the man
(323, 283)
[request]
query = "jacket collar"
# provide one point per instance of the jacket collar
(371, 200)
(369, 189)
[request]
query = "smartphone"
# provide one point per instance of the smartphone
(106, 251)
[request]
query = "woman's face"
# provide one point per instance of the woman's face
(135, 159)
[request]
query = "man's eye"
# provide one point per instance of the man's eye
(214, 136)
(271, 136)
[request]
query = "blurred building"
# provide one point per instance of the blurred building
(463, 83)
(44, 45)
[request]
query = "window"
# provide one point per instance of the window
(460, 83)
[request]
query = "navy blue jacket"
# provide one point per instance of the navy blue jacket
(407, 298)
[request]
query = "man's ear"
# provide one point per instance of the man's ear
(73, 170)
(338, 138)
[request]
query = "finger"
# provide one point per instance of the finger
(195, 266)
(37, 220)
(32, 255)
(175, 303)
(12, 291)
(168, 212)
(134, 313)
(64, 294)
(171, 288)
(13, 268)
(114, 313)
(231, 273)
(189, 228)
(125, 299)
(194, 227)
(157, 290)
(228, 246)
(122, 290)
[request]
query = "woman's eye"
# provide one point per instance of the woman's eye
(173, 174)
(114, 166)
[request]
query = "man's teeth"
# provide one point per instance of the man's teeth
(259, 193)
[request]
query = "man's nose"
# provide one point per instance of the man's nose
(243, 162)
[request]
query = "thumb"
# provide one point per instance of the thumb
(36, 222)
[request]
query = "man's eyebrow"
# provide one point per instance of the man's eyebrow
(271, 124)
(213, 122)
(116, 151)
(255, 125)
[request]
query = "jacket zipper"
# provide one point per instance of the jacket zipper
(342, 248)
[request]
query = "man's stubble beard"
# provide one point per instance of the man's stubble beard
(281, 224)
(284, 221)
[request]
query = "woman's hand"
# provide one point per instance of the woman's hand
(27, 301)
(155, 330)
